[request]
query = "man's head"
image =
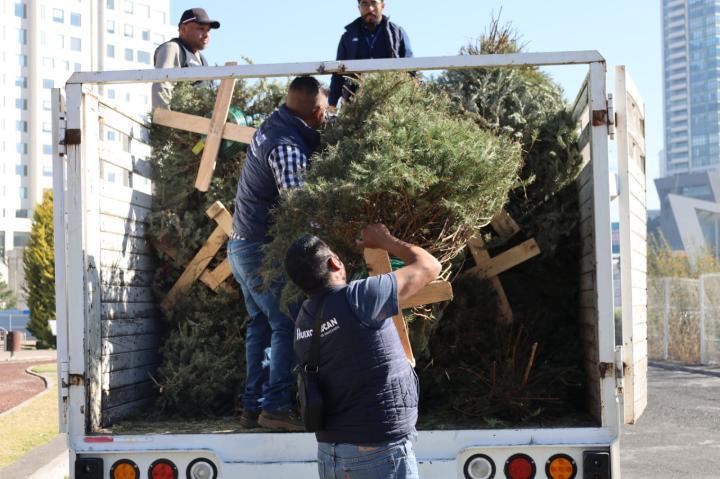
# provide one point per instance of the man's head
(194, 28)
(308, 100)
(371, 11)
(311, 264)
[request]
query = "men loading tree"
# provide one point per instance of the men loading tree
(182, 52)
(372, 35)
(276, 160)
(368, 387)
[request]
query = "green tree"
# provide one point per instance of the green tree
(39, 263)
(7, 297)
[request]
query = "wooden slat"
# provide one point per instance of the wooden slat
(129, 244)
(197, 266)
(123, 210)
(129, 294)
(507, 259)
(126, 277)
(378, 262)
(504, 225)
(134, 128)
(434, 292)
(112, 415)
(111, 224)
(222, 217)
(126, 260)
(125, 377)
(215, 132)
(129, 310)
(213, 279)
(130, 326)
(128, 394)
(481, 256)
(198, 124)
(126, 195)
(126, 344)
(133, 359)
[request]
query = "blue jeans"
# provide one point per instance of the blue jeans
(393, 460)
(268, 389)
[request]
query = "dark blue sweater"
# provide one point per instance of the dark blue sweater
(389, 40)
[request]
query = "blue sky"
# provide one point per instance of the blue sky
(625, 32)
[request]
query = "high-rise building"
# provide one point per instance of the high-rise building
(44, 42)
(691, 59)
(689, 188)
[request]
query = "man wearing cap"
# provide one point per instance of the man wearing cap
(372, 35)
(184, 51)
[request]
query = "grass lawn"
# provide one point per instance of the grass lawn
(31, 426)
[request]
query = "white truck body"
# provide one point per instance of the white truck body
(105, 335)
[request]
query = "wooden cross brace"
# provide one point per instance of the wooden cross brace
(490, 268)
(216, 129)
(197, 268)
(378, 262)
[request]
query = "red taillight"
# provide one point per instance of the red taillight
(520, 466)
(163, 469)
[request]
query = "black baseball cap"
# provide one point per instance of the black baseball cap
(198, 15)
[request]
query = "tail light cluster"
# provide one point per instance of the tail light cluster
(92, 468)
(522, 466)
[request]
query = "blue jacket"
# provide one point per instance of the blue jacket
(257, 191)
(369, 389)
(393, 43)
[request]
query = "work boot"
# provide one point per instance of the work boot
(283, 420)
(249, 419)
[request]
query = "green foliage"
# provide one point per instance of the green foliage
(7, 297)
(178, 218)
(398, 156)
(528, 105)
(203, 357)
(39, 264)
(664, 262)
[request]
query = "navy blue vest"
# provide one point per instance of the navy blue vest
(369, 389)
(392, 39)
(391, 31)
(257, 191)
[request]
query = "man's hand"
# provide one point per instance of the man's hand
(420, 266)
(375, 236)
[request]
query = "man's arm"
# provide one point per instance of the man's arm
(167, 55)
(288, 164)
(405, 48)
(420, 266)
(337, 81)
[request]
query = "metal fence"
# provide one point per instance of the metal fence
(684, 319)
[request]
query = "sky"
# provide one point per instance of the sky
(625, 32)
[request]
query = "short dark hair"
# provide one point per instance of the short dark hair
(306, 263)
(308, 86)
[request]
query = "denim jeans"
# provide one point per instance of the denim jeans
(268, 389)
(393, 460)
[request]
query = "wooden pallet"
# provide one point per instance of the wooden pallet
(215, 128)
(197, 268)
(490, 268)
(378, 262)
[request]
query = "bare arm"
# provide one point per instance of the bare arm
(420, 266)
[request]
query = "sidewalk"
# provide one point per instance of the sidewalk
(49, 461)
(30, 355)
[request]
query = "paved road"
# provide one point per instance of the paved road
(679, 434)
(17, 385)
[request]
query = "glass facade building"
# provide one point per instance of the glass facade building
(691, 60)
